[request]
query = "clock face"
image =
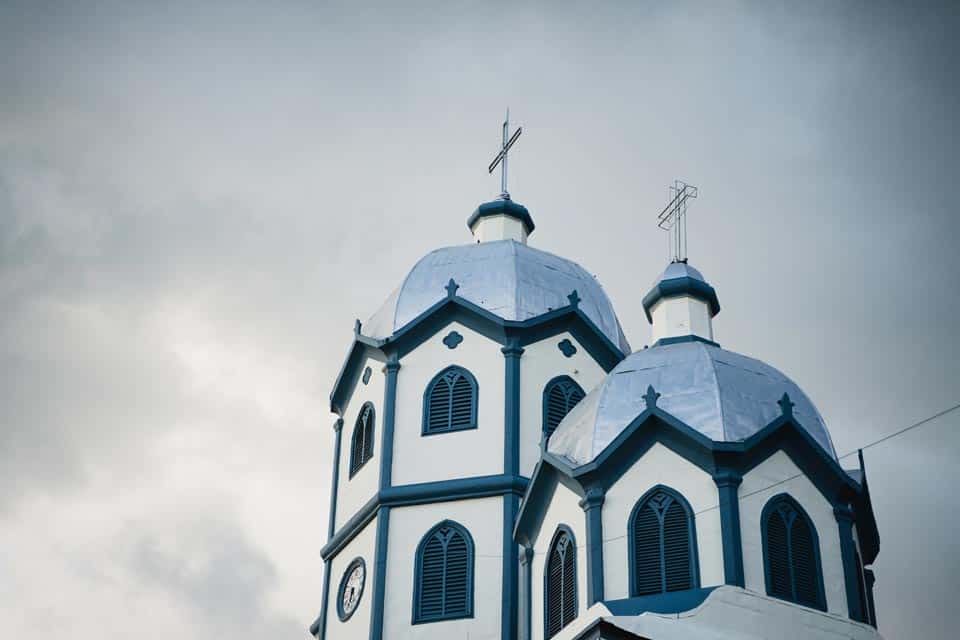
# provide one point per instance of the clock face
(351, 588)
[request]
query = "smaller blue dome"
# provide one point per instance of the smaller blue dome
(502, 207)
(725, 396)
(679, 279)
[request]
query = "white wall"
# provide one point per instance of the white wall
(681, 316)
(660, 465)
(353, 493)
(541, 362)
(483, 518)
(564, 509)
(773, 470)
(493, 228)
(460, 454)
(357, 627)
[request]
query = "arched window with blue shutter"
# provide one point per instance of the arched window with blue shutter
(560, 582)
(560, 395)
(791, 553)
(450, 402)
(443, 575)
(662, 544)
(361, 442)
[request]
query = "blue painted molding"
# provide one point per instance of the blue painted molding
(391, 369)
(672, 602)
(592, 505)
(526, 563)
(418, 570)
(692, 533)
(379, 574)
(452, 340)
(566, 348)
(844, 516)
(869, 578)
(689, 338)
(456, 309)
(319, 627)
(332, 519)
(509, 600)
(728, 482)
(685, 286)
(818, 566)
(512, 353)
(502, 207)
(423, 493)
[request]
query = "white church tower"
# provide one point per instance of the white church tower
(504, 467)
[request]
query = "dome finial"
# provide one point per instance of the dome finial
(501, 157)
(673, 219)
(502, 219)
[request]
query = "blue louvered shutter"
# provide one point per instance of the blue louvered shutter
(793, 570)
(561, 587)
(662, 538)
(559, 397)
(451, 402)
(361, 443)
(444, 583)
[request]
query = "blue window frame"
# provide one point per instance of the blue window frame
(560, 395)
(662, 544)
(361, 442)
(560, 582)
(450, 402)
(791, 553)
(443, 574)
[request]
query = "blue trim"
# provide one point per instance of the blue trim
(319, 627)
(672, 602)
(592, 506)
(526, 561)
(423, 493)
(869, 578)
(502, 207)
(389, 418)
(380, 574)
(818, 567)
(691, 533)
(689, 338)
(358, 561)
(728, 482)
(561, 528)
(685, 286)
(566, 348)
(509, 601)
(474, 399)
(511, 407)
(418, 569)
(452, 340)
(844, 516)
(365, 378)
(332, 516)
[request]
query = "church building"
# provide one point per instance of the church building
(506, 467)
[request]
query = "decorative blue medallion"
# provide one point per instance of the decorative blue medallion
(566, 347)
(452, 340)
(366, 375)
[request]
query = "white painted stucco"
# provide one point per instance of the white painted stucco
(681, 316)
(773, 471)
(541, 362)
(459, 454)
(499, 227)
(659, 466)
(564, 509)
(357, 627)
(483, 518)
(353, 493)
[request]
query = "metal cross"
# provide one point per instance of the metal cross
(673, 218)
(501, 157)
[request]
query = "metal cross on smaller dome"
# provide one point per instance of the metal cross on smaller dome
(673, 218)
(501, 157)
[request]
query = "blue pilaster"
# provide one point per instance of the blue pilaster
(380, 573)
(870, 579)
(526, 562)
(728, 482)
(592, 506)
(389, 416)
(509, 605)
(844, 516)
(332, 522)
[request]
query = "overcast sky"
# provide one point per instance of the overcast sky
(196, 202)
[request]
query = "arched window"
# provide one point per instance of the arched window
(559, 396)
(443, 575)
(560, 583)
(791, 553)
(361, 442)
(662, 544)
(450, 402)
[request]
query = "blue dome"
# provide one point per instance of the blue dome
(678, 279)
(510, 280)
(725, 396)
